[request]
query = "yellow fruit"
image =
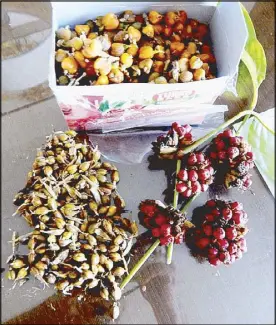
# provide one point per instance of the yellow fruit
(134, 34)
(133, 49)
(82, 29)
(80, 59)
(146, 52)
(110, 21)
(69, 64)
(102, 80)
(148, 30)
(126, 59)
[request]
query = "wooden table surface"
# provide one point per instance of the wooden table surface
(184, 292)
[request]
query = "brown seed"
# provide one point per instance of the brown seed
(85, 266)
(118, 240)
(119, 271)
(41, 266)
(103, 210)
(100, 268)
(95, 259)
(115, 257)
(61, 285)
(79, 257)
(109, 264)
(17, 264)
(104, 294)
(72, 274)
(114, 248)
(84, 166)
(102, 248)
(92, 228)
(107, 224)
(91, 240)
(31, 257)
(117, 293)
(22, 274)
(103, 259)
(111, 211)
(111, 277)
(87, 274)
(41, 211)
(93, 283)
(11, 275)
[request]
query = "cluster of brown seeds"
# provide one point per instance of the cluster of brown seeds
(149, 47)
(80, 239)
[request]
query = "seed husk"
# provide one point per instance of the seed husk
(51, 278)
(117, 293)
(88, 275)
(93, 284)
(102, 248)
(115, 257)
(109, 264)
(61, 285)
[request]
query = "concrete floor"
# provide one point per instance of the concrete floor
(186, 292)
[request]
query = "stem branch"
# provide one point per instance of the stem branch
(175, 202)
(139, 264)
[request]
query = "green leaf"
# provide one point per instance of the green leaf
(254, 49)
(118, 104)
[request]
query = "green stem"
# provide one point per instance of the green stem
(139, 264)
(175, 202)
(186, 206)
(223, 126)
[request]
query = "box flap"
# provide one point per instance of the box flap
(229, 36)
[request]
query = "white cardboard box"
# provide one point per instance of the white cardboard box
(93, 107)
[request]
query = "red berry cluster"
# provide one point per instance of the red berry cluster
(170, 146)
(165, 223)
(232, 158)
(196, 176)
(219, 232)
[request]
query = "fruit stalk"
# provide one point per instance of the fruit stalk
(175, 202)
(139, 264)
(223, 126)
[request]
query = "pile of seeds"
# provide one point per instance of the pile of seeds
(149, 47)
(80, 239)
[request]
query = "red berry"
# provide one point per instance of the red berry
(224, 257)
(222, 155)
(148, 209)
(160, 138)
(196, 187)
(231, 233)
(166, 230)
(207, 229)
(235, 141)
(232, 249)
(160, 219)
(181, 187)
(212, 252)
(192, 159)
(209, 217)
(226, 214)
(164, 241)
(183, 175)
(156, 232)
(175, 126)
(250, 155)
(220, 145)
(192, 174)
(187, 193)
(203, 174)
(146, 222)
(238, 217)
(188, 137)
(204, 187)
(179, 239)
(203, 242)
(236, 206)
(233, 152)
(223, 243)
(215, 212)
(213, 155)
(200, 157)
(181, 131)
(214, 261)
(211, 203)
(227, 133)
(219, 233)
